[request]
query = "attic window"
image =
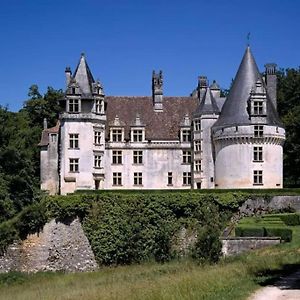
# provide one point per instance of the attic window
(186, 135)
(73, 91)
(74, 106)
(258, 108)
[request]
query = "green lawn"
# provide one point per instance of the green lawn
(233, 278)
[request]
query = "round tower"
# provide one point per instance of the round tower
(248, 135)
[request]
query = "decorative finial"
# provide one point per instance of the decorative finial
(248, 39)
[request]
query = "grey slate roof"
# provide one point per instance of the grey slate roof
(163, 125)
(234, 111)
(45, 134)
(207, 105)
(83, 76)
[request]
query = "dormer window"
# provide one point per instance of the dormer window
(74, 106)
(73, 91)
(116, 135)
(98, 106)
(258, 108)
(185, 135)
(137, 135)
(197, 125)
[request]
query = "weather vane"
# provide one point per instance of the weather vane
(248, 38)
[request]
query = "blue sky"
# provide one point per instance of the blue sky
(124, 40)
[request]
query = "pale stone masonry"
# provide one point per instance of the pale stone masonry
(203, 141)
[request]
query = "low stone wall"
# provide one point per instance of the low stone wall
(58, 247)
(237, 245)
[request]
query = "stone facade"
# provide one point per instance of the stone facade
(201, 141)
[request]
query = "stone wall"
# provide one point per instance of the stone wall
(237, 245)
(58, 247)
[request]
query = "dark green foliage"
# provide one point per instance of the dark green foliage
(284, 233)
(290, 219)
(249, 231)
(8, 233)
(208, 246)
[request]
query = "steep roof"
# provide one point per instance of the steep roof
(207, 105)
(163, 125)
(83, 76)
(234, 111)
(45, 134)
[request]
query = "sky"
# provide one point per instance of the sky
(124, 40)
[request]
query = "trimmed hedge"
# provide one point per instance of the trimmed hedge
(290, 219)
(249, 231)
(285, 233)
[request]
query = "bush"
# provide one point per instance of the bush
(249, 231)
(290, 219)
(284, 233)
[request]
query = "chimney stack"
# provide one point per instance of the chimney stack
(157, 90)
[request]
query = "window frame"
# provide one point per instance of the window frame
(137, 178)
(258, 154)
(186, 156)
(73, 165)
(117, 157)
(73, 140)
(73, 105)
(170, 178)
(117, 178)
(137, 157)
(116, 135)
(97, 161)
(186, 135)
(258, 131)
(258, 177)
(186, 178)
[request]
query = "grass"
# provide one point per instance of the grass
(232, 278)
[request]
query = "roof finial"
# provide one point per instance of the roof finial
(248, 39)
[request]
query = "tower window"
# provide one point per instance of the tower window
(186, 135)
(73, 105)
(186, 178)
(137, 157)
(170, 178)
(186, 157)
(74, 165)
(258, 108)
(117, 157)
(97, 161)
(116, 135)
(197, 146)
(257, 177)
(97, 137)
(137, 178)
(197, 165)
(117, 178)
(257, 153)
(197, 125)
(74, 141)
(258, 130)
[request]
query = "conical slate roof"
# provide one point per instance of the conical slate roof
(83, 76)
(234, 111)
(207, 105)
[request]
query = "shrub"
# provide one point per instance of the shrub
(284, 233)
(290, 219)
(249, 231)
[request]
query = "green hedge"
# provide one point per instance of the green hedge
(290, 219)
(249, 231)
(285, 233)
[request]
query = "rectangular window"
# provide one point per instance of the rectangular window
(74, 164)
(97, 137)
(170, 178)
(197, 125)
(137, 178)
(258, 153)
(117, 178)
(186, 135)
(197, 146)
(73, 105)
(98, 106)
(257, 177)
(137, 135)
(186, 157)
(137, 157)
(97, 161)
(258, 108)
(117, 157)
(186, 178)
(258, 130)
(74, 140)
(116, 135)
(197, 165)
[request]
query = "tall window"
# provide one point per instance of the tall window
(258, 153)
(117, 178)
(73, 105)
(197, 146)
(74, 164)
(137, 157)
(258, 108)
(198, 165)
(186, 157)
(97, 137)
(116, 135)
(186, 135)
(98, 106)
(186, 178)
(117, 157)
(197, 125)
(97, 161)
(170, 178)
(258, 130)
(74, 140)
(137, 178)
(257, 177)
(137, 135)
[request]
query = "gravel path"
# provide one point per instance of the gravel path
(287, 288)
